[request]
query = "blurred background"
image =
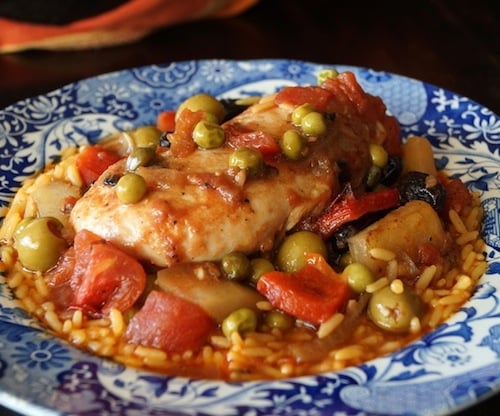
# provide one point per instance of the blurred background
(454, 44)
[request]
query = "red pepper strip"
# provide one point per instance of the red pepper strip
(313, 293)
(350, 208)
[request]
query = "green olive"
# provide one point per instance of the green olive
(22, 225)
(208, 135)
(203, 102)
(130, 188)
(358, 276)
(258, 267)
(241, 320)
(247, 158)
(292, 144)
(299, 112)
(292, 252)
(146, 136)
(278, 319)
(324, 74)
(140, 156)
(393, 311)
(235, 265)
(313, 124)
(39, 243)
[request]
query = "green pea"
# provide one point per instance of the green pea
(140, 156)
(235, 265)
(358, 276)
(313, 124)
(208, 135)
(204, 102)
(39, 243)
(258, 267)
(379, 155)
(247, 158)
(211, 118)
(292, 145)
(241, 320)
(278, 319)
(146, 136)
(299, 112)
(131, 188)
(292, 252)
(324, 74)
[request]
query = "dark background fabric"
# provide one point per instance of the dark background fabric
(55, 12)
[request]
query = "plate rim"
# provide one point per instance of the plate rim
(276, 60)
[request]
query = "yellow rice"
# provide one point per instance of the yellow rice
(256, 355)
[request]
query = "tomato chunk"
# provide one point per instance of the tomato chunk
(93, 161)
(165, 121)
(170, 323)
(96, 276)
(318, 97)
(350, 98)
(313, 293)
(457, 195)
(238, 136)
(181, 141)
(428, 254)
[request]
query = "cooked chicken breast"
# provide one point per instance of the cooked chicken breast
(198, 208)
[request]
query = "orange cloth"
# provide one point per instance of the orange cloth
(126, 23)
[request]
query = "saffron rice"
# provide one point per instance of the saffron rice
(268, 353)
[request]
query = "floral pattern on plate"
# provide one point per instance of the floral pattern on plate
(447, 370)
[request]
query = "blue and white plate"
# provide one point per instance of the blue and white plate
(449, 369)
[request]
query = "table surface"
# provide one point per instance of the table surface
(453, 44)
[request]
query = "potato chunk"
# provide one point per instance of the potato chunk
(402, 231)
(202, 284)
